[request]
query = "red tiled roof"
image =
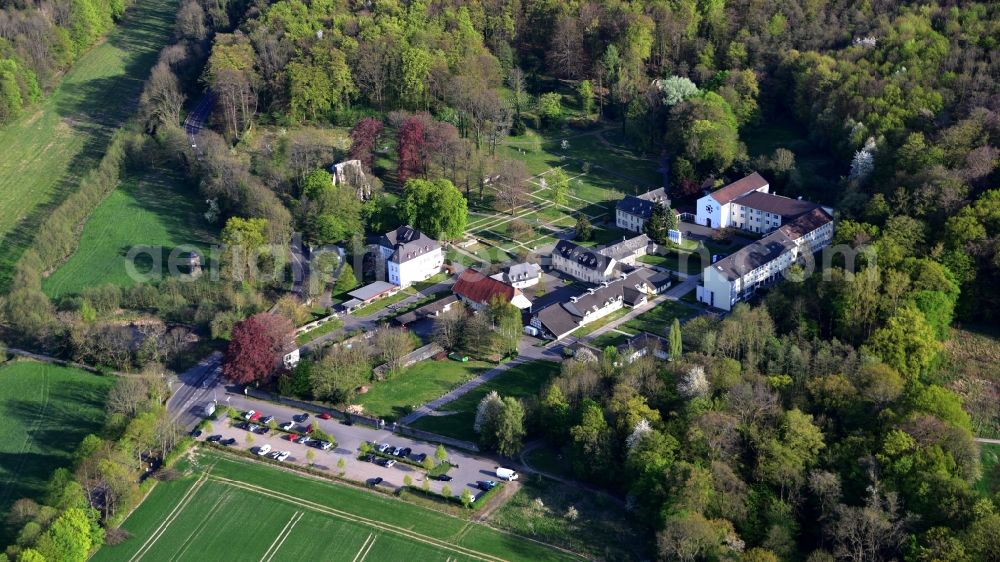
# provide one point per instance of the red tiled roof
(753, 182)
(476, 287)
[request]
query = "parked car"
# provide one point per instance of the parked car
(442, 478)
(252, 427)
(303, 439)
(256, 416)
(506, 474)
(325, 445)
(264, 449)
(242, 425)
(196, 433)
(287, 425)
(325, 416)
(249, 414)
(309, 428)
(396, 451)
(420, 458)
(375, 481)
(405, 452)
(214, 438)
(384, 447)
(301, 417)
(486, 485)
(283, 455)
(227, 442)
(267, 419)
(371, 458)
(389, 463)
(261, 430)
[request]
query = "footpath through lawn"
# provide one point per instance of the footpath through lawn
(226, 508)
(44, 154)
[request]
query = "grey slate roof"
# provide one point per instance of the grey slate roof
(585, 257)
(751, 257)
(642, 205)
(625, 248)
(556, 320)
(787, 207)
(372, 290)
(408, 243)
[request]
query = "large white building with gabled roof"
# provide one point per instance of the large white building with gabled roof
(409, 256)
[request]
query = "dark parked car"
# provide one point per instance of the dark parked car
(486, 485)
(301, 417)
(267, 419)
(442, 478)
(230, 441)
(420, 457)
(214, 438)
(370, 458)
(196, 433)
(262, 430)
(375, 481)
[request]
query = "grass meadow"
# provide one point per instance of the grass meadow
(418, 384)
(155, 212)
(520, 381)
(46, 410)
(225, 508)
(47, 151)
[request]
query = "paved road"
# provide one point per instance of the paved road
(194, 389)
(195, 120)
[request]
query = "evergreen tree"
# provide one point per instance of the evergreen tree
(676, 348)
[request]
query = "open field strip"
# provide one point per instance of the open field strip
(401, 531)
(282, 537)
(48, 410)
(46, 152)
(247, 510)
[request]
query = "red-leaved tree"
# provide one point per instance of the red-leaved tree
(364, 139)
(256, 348)
(410, 139)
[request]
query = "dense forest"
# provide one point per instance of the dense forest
(813, 425)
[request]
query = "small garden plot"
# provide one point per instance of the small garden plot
(600, 323)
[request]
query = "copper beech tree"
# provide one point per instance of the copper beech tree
(256, 347)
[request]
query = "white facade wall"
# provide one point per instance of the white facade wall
(572, 267)
(753, 220)
(628, 221)
(711, 213)
(415, 269)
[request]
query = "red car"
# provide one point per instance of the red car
(256, 416)
(292, 437)
(325, 416)
(309, 428)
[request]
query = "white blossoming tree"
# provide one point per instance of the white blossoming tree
(694, 383)
(489, 408)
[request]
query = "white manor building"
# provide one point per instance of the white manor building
(409, 256)
(738, 276)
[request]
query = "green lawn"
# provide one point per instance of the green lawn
(320, 330)
(418, 384)
(226, 508)
(152, 214)
(590, 328)
(658, 319)
(611, 338)
(46, 410)
(382, 303)
(526, 379)
(685, 262)
(46, 152)
(600, 530)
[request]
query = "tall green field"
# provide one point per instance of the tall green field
(46, 411)
(226, 508)
(154, 213)
(44, 153)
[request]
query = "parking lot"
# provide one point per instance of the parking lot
(467, 473)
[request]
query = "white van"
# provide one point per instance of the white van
(264, 449)
(531, 331)
(506, 474)
(209, 409)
